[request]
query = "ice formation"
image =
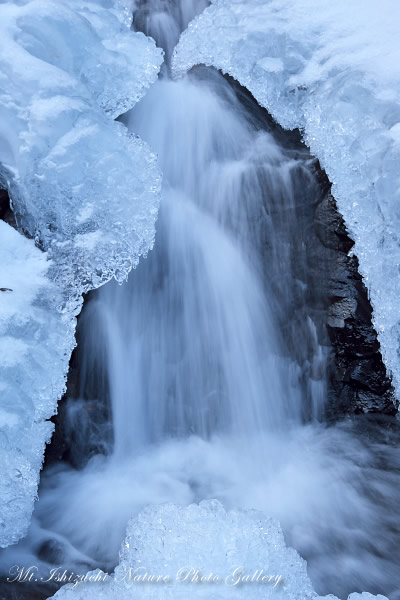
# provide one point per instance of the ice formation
(82, 186)
(333, 70)
(203, 552)
(35, 342)
(80, 183)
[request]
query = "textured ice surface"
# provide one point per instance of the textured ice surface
(35, 342)
(82, 186)
(239, 554)
(332, 69)
(80, 183)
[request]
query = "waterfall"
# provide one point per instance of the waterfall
(192, 343)
(204, 376)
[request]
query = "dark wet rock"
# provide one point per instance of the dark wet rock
(4, 203)
(83, 425)
(52, 551)
(358, 378)
(21, 591)
(328, 292)
(6, 213)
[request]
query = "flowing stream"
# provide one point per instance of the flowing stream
(205, 375)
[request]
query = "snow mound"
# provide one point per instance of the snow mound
(203, 552)
(333, 70)
(82, 186)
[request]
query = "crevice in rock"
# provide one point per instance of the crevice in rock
(6, 213)
(83, 422)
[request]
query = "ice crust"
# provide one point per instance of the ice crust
(185, 543)
(331, 69)
(35, 343)
(83, 187)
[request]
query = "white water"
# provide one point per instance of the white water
(202, 351)
(206, 397)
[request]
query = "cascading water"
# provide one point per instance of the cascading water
(208, 359)
(202, 353)
(164, 20)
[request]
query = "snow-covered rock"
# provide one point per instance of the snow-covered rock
(333, 70)
(203, 552)
(82, 186)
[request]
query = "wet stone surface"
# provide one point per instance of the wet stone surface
(358, 378)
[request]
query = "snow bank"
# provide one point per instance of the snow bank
(203, 552)
(82, 186)
(333, 70)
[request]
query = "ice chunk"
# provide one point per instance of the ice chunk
(84, 187)
(333, 70)
(203, 552)
(64, 66)
(35, 343)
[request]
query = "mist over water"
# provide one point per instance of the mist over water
(210, 388)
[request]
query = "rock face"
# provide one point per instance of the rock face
(358, 378)
(335, 297)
